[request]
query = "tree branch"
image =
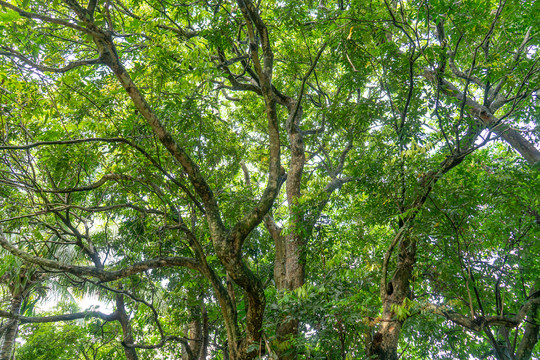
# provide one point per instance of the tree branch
(48, 19)
(487, 119)
(72, 65)
(57, 318)
(111, 140)
(102, 275)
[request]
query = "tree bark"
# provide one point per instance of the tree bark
(127, 334)
(294, 243)
(6, 351)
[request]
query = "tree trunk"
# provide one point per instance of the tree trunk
(10, 334)
(289, 265)
(203, 353)
(197, 333)
(127, 334)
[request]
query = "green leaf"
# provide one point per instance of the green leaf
(9, 16)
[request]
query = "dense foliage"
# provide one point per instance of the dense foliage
(274, 180)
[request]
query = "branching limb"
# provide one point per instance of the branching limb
(480, 322)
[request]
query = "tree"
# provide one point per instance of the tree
(153, 138)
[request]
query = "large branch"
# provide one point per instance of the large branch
(482, 113)
(255, 216)
(108, 52)
(102, 275)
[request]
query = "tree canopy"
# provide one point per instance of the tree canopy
(270, 180)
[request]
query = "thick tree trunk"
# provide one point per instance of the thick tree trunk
(127, 334)
(10, 334)
(289, 266)
(287, 258)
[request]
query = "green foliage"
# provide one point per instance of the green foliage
(401, 89)
(69, 342)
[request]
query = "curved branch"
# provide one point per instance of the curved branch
(480, 322)
(87, 209)
(95, 185)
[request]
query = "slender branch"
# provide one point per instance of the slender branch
(186, 34)
(95, 185)
(110, 140)
(87, 209)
